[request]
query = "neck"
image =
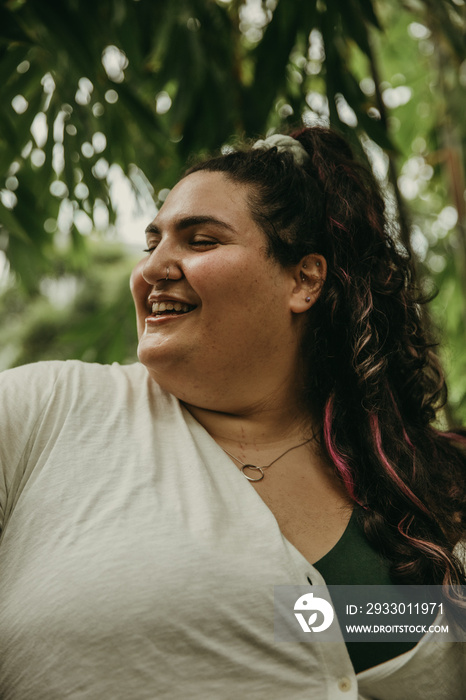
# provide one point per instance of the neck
(257, 427)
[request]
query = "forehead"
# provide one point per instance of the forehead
(205, 193)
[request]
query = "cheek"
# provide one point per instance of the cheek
(238, 293)
(140, 290)
(222, 277)
(137, 283)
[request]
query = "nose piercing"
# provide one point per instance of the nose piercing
(168, 272)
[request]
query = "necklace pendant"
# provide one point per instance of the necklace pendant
(257, 469)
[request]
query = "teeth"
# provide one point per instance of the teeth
(160, 306)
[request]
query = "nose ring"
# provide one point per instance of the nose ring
(168, 272)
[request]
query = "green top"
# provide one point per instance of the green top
(354, 561)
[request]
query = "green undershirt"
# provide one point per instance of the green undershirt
(354, 561)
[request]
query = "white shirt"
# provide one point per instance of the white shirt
(136, 561)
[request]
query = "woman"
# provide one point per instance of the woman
(279, 419)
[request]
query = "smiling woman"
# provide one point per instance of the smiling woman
(276, 431)
(244, 318)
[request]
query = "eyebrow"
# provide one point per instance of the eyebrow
(189, 221)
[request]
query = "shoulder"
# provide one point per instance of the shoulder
(46, 371)
(46, 374)
(29, 388)
(29, 385)
(49, 398)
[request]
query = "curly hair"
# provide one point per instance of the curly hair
(371, 371)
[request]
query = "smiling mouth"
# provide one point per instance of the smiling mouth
(164, 308)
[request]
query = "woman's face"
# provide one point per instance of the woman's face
(235, 324)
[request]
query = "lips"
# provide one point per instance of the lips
(163, 308)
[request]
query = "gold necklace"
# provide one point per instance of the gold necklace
(266, 466)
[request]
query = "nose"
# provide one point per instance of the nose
(162, 264)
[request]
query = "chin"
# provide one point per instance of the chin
(149, 355)
(160, 359)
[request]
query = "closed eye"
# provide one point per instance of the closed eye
(203, 243)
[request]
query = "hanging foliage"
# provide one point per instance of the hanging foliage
(142, 85)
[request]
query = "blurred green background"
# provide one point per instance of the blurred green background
(104, 101)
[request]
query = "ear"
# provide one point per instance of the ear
(309, 277)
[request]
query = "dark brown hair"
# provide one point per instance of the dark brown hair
(371, 369)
